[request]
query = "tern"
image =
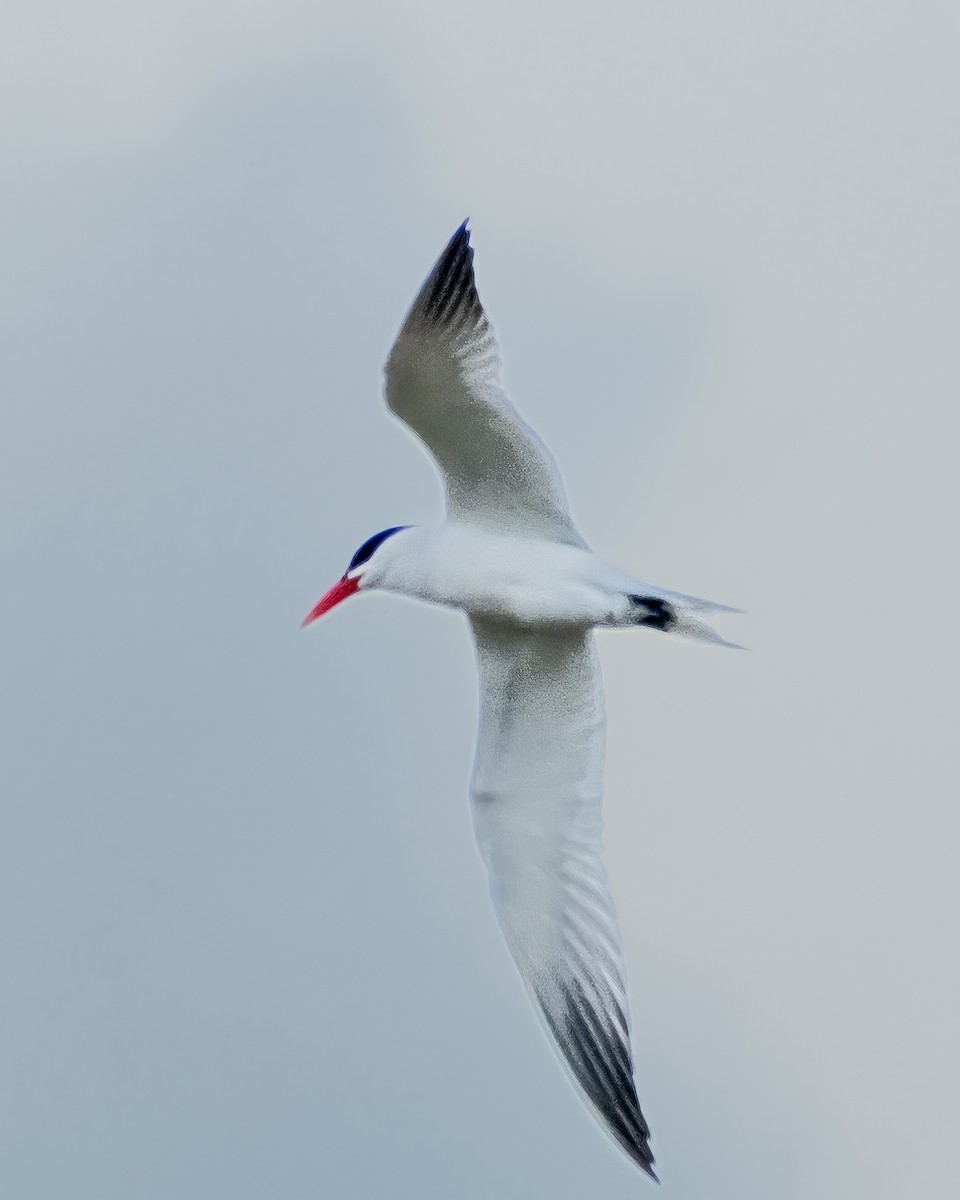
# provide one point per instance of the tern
(510, 557)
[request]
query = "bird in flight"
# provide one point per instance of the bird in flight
(510, 557)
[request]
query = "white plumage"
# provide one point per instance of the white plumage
(443, 379)
(510, 556)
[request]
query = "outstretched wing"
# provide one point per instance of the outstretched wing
(537, 793)
(442, 378)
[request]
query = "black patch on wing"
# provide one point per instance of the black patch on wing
(601, 1063)
(365, 553)
(450, 294)
(660, 615)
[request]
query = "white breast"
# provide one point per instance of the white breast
(527, 582)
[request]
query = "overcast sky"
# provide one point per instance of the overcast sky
(247, 949)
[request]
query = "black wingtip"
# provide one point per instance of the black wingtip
(639, 1152)
(450, 293)
(645, 1160)
(459, 240)
(585, 1030)
(642, 1155)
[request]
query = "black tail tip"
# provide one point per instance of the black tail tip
(659, 615)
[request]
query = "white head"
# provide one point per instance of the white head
(368, 569)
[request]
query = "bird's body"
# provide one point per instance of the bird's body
(523, 581)
(510, 557)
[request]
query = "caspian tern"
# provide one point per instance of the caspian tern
(510, 556)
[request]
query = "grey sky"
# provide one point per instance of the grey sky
(247, 946)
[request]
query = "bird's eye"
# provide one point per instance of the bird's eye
(366, 551)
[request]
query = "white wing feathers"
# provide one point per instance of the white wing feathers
(537, 783)
(537, 791)
(442, 378)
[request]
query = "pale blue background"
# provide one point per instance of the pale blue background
(246, 944)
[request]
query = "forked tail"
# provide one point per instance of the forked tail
(673, 612)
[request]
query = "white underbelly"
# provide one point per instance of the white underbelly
(527, 583)
(527, 602)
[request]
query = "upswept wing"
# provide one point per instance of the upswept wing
(442, 378)
(537, 793)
